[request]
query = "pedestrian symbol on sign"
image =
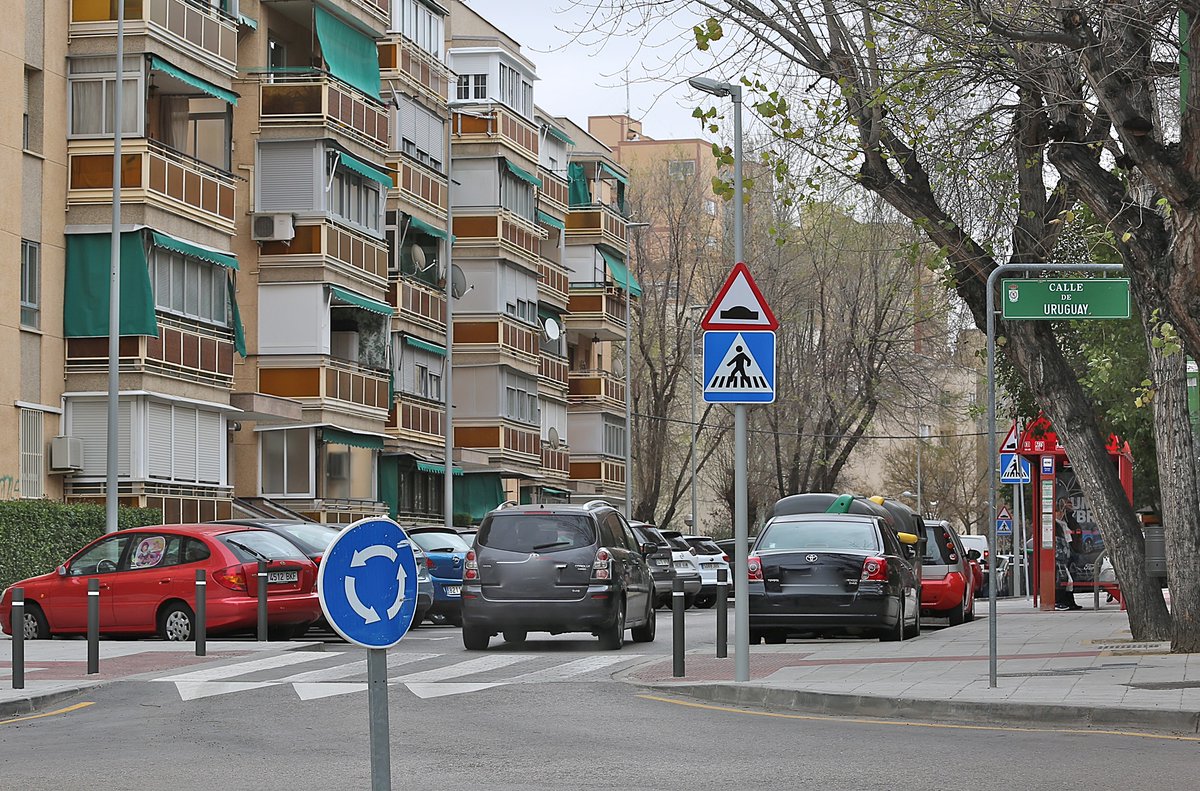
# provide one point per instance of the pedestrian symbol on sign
(738, 371)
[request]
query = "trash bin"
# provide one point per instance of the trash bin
(1156, 550)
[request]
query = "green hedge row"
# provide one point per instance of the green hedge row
(38, 535)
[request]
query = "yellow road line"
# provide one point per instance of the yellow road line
(75, 707)
(909, 724)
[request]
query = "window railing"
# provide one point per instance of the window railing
(334, 380)
(554, 190)
(498, 122)
(183, 350)
(421, 302)
(417, 415)
(426, 73)
(554, 369)
(591, 386)
(302, 96)
(359, 255)
(197, 29)
(420, 184)
(586, 222)
(554, 282)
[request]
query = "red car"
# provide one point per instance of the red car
(148, 584)
(948, 581)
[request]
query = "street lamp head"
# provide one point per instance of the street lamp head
(709, 85)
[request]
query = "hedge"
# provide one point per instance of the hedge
(38, 535)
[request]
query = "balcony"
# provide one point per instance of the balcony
(554, 193)
(554, 370)
(499, 336)
(151, 174)
(418, 419)
(419, 185)
(597, 311)
(333, 384)
(556, 463)
(371, 13)
(314, 98)
(499, 125)
(194, 29)
(601, 472)
(596, 225)
(425, 74)
(554, 285)
(513, 443)
(183, 350)
(419, 302)
(596, 387)
(516, 237)
(324, 244)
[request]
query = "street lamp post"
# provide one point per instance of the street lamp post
(741, 603)
(692, 390)
(629, 382)
(111, 468)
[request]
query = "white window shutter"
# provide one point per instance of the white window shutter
(185, 444)
(159, 453)
(208, 446)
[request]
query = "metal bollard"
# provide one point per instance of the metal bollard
(18, 638)
(677, 627)
(262, 600)
(201, 632)
(722, 613)
(93, 627)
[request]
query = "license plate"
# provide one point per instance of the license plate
(454, 590)
(710, 565)
(660, 561)
(283, 576)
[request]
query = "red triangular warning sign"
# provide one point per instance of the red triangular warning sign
(739, 305)
(1003, 513)
(1010, 440)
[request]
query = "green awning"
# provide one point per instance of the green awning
(559, 134)
(577, 186)
(350, 56)
(217, 92)
(620, 272)
(604, 166)
(159, 239)
(418, 224)
(478, 493)
(85, 294)
(246, 21)
(338, 436)
(522, 174)
(348, 297)
(388, 474)
(553, 222)
(417, 343)
(365, 170)
(559, 492)
(239, 331)
(436, 469)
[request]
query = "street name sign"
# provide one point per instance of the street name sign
(1062, 298)
(367, 583)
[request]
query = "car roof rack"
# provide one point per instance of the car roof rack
(597, 504)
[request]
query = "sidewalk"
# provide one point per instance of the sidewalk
(1064, 667)
(56, 669)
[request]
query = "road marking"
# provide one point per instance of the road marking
(575, 668)
(355, 666)
(909, 724)
(467, 668)
(193, 690)
(66, 710)
(243, 668)
(441, 690)
(327, 689)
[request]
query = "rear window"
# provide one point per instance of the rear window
(254, 545)
(939, 547)
(440, 542)
(678, 543)
(311, 538)
(810, 534)
(704, 546)
(536, 532)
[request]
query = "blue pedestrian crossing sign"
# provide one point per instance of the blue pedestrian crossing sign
(739, 367)
(1015, 469)
(367, 583)
(1004, 522)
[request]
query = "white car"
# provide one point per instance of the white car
(711, 560)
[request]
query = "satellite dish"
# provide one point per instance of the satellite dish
(458, 282)
(551, 328)
(418, 257)
(552, 435)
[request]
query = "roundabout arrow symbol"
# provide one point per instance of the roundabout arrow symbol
(399, 602)
(368, 614)
(361, 556)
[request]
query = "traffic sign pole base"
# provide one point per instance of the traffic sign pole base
(377, 702)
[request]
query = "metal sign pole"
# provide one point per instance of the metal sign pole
(377, 703)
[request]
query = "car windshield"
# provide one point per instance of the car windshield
(817, 534)
(705, 547)
(536, 532)
(254, 545)
(939, 546)
(435, 541)
(313, 538)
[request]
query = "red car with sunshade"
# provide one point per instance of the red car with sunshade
(948, 576)
(147, 581)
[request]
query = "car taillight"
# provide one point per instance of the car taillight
(874, 570)
(602, 565)
(317, 560)
(726, 558)
(471, 567)
(428, 563)
(233, 578)
(754, 572)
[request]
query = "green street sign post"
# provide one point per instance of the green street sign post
(1062, 298)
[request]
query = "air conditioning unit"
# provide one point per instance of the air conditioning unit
(272, 228)
(66, 454)
(344, 345)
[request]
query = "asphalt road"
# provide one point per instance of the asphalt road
(584, 731)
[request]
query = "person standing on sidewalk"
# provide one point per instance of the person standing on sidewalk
(1064, 599)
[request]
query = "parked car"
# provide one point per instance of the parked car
(148, 584)
(558, 568)
(687, 567)
(947, 576)
(980, 545)
(660, 562)
(445, 553)
(828, 571)
(712, 560)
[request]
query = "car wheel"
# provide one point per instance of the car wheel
(514, 635)
(176, 623)
(613, 635)
(475, 639)
(914, 630)
(35, 625)
(705, 602)
(894, 633)
(645, 632)
(969, 615)
(959, 613)
(775, 638)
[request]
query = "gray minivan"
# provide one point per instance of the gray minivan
(557, 568)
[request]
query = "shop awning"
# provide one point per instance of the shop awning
(363, 169)
(559, 135)
(620, 272)
(478, 493)
(557, 491)
(553, 222)
(332, 435)
(522, 174)
(350, 56)
(85, 294)
(347, 297)
(577, 186)
(604, 167)
(436, 469)
(417, 224)
(166, 242)
(158, 64)
(418, 343)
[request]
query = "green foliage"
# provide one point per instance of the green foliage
(38, 535)
(707, 32)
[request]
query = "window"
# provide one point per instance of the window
(355, 200)
(418, 372)
(420, 24)
(421, 133)
(100, 558)
(349, 473)
(421, 492)
(522, 309)
(184, 443)
(472, 86)
(32, 451)
(93, 84)
(197, 126)
(515, 91)
(681, 168)
(276, 55)
(286, 463)
(517, 196)
(189, 287)
(31, 286)
(32, 118)
(614, 438)
(520, 398)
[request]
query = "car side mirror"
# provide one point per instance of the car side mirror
(62, 571)
(973, 554)
(910, 552)
(649, 548)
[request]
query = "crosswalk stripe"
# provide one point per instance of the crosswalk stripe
(356, 665)
(572, 669)
(467, 668)
(243, 668)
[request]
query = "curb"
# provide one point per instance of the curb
(972, 712)
(31, 703)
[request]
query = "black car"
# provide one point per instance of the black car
(557, 568)
(662, 567)
(832, 573)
